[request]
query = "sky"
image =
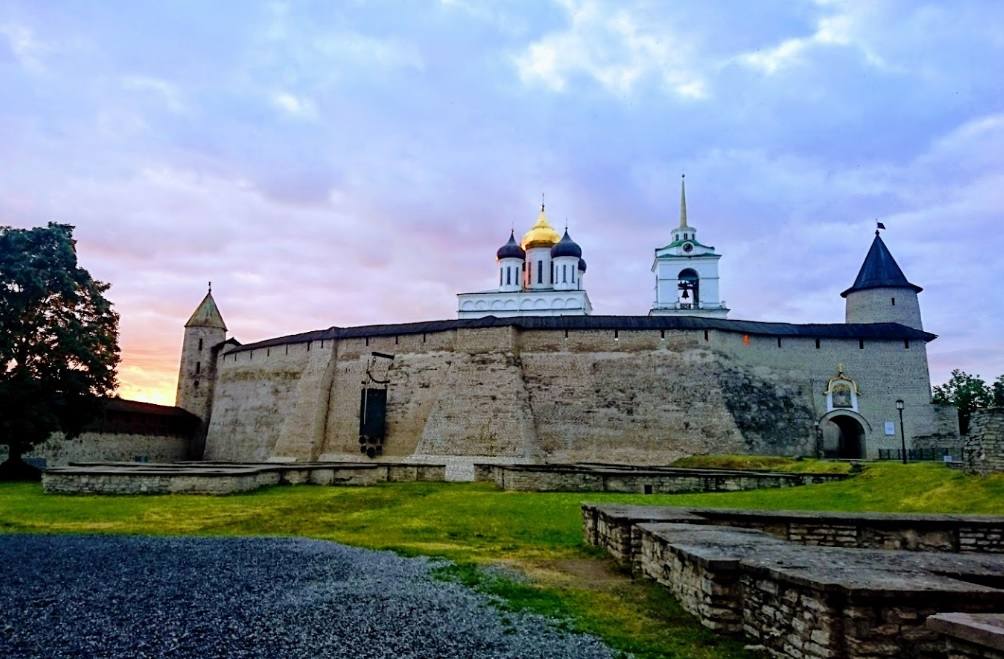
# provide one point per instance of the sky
(347, 163)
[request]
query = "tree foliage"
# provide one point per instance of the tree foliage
(58, 338)
(968, 393)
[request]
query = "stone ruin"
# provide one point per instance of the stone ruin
(822, 585)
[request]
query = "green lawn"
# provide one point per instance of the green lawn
(536, 534)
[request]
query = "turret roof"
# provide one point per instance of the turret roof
(880, 270)
(207, 314)
(511, 250)
(566, 247)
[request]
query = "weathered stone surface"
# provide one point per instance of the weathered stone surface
(223, 478)
(969, 636)
(639, 396)
(983, 448)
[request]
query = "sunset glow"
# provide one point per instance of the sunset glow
(352, 164)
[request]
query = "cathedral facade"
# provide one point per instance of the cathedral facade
(542, 275)
(527, 373)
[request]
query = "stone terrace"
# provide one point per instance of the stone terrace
(799, 599)
(223, 477)
(596, 477)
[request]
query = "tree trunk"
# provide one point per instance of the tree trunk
(15, 468)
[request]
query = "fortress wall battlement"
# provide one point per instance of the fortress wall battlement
(645, 396)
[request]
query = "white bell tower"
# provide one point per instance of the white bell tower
(686, 273)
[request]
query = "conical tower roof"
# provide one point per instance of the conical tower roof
(880, 270)
(207, 314)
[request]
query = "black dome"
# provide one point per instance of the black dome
(511, 250)
(566, 247)
(582, 265)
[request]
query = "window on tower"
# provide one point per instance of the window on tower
(540, 272)
(508, 276)
(200, 341)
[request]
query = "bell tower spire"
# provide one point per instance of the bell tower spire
(683, 201)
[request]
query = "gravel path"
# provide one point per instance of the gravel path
(63, 596)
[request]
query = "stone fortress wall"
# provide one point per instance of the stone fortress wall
(528, 391)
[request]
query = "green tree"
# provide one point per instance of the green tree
(58, 341)
(967, 393)
(998, 391)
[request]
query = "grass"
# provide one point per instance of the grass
(764, 463)
(537, 535)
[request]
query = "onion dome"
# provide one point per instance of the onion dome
(541, 234)
(511, 250)
(566, 247)
(582, 265)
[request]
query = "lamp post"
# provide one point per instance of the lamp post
(902, 431)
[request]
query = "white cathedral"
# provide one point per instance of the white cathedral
(543, 275)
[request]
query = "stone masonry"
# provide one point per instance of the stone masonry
(983, 448)
(523, 395)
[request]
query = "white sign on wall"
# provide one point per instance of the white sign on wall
(890, 428)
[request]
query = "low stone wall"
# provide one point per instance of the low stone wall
(57, 451)
(650, 480)
(614, 528)
(970, 636)
(818, 602)
(983, 448)
(224, 478)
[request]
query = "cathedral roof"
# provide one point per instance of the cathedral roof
(511, 250)
(207, 314)
(880, 270)
(541, 234)
(566, 247)
(582, 265)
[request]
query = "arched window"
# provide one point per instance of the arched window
(690, 287)
(508, 276)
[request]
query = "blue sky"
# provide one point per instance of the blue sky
(349, 163)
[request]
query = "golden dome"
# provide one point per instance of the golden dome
(541, 234)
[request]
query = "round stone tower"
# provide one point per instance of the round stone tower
(881, 292)
(204, 333)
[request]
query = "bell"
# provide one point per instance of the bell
(686, 294)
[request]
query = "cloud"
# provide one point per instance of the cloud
(24, 45)
(295, 106)
(613, 48)
(167, 92)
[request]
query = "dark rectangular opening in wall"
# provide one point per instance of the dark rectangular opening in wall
(367, 340)
(817, 344)
(268, 352)
(423, 337)
(396, 340)
(566, 334)
(198, 367)
(906, 344)
(200, 344)
(287, 348)
(705, 335)
(893, 301)
(617, 334)
(308, 346)
(372, 415)
(250, 355)
(322, 344)
(648, 489)
(779, 342)
(662, 334)
(861, 344)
